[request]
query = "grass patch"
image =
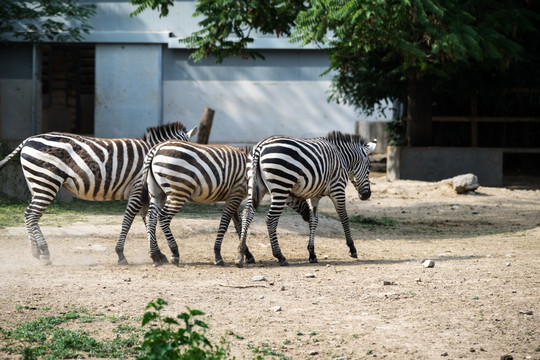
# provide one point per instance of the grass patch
(372, 221)
(366, 221)
(48, 337)
(12, 211)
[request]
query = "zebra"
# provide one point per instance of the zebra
(179, 171)
(305, 169)
(90, 169)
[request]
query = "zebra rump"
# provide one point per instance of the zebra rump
(178, 171)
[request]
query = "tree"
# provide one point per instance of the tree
(379, 49)
(44, 20)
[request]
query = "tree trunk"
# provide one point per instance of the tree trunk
(419, 112)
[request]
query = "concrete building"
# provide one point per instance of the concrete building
(130, 73)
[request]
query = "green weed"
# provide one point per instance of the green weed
(175, 339)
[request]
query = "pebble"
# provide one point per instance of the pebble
(258, 278)
(428, 264)
(455, 207)
(310, 275)
(276, 308)
(389, 283)
(445, 353)
(313, 352)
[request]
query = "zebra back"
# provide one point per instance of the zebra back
(89, 168)
(210, 171)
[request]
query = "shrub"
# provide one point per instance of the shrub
(182, 338)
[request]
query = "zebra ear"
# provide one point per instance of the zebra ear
(192, 132)
(371, 146)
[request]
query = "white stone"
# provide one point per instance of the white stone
(465, 183)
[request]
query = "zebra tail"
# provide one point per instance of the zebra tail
(13, 154)
(257, 189)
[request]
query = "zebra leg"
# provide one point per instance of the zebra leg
(40, 249)
(250, 259)
(339, 204)
(276, 209)
(300, 206)
(313, 222)
(151, 223)
(231, 208)
(133, 207)
(166, 215)
(247, 218)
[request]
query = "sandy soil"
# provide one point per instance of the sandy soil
(480, 301)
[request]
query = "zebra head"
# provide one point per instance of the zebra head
(359, 173)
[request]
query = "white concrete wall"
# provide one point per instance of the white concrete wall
(283, 94)
(128, 89)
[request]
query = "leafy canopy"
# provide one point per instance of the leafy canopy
(44, 20)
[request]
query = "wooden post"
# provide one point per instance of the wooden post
(206, 125)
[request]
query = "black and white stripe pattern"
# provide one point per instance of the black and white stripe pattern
(179, 171)
(88, 168)
(309, 169)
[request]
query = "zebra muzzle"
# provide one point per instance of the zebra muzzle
(364, 195)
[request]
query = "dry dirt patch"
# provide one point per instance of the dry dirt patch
(476, 303)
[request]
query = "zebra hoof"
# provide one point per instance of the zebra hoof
(123, 262)
(250, 260)
(313, 260)
(175, 260)
(354, 255)
(45, 260)
(219, 262)
(239, 262)
(283, 262)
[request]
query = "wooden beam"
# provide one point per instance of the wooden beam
(205, 126)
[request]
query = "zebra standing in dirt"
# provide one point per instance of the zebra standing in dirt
(88, 168)
(179, 171)
(305, 169)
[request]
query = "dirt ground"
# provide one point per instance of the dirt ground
(481, 300)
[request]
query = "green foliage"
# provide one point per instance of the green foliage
(44, 20)
(44, 338)
(376, 46)
(263, 349)
(227, 26)
(396, 132)
(371, 221)
(180, 338)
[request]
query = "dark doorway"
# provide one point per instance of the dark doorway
(67, 79)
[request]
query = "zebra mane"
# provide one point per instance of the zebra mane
(163, 132)
(338, 137)
(247, 149)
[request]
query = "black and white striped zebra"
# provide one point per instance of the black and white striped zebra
(309, 169)
(180, 171)
(88, 168)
